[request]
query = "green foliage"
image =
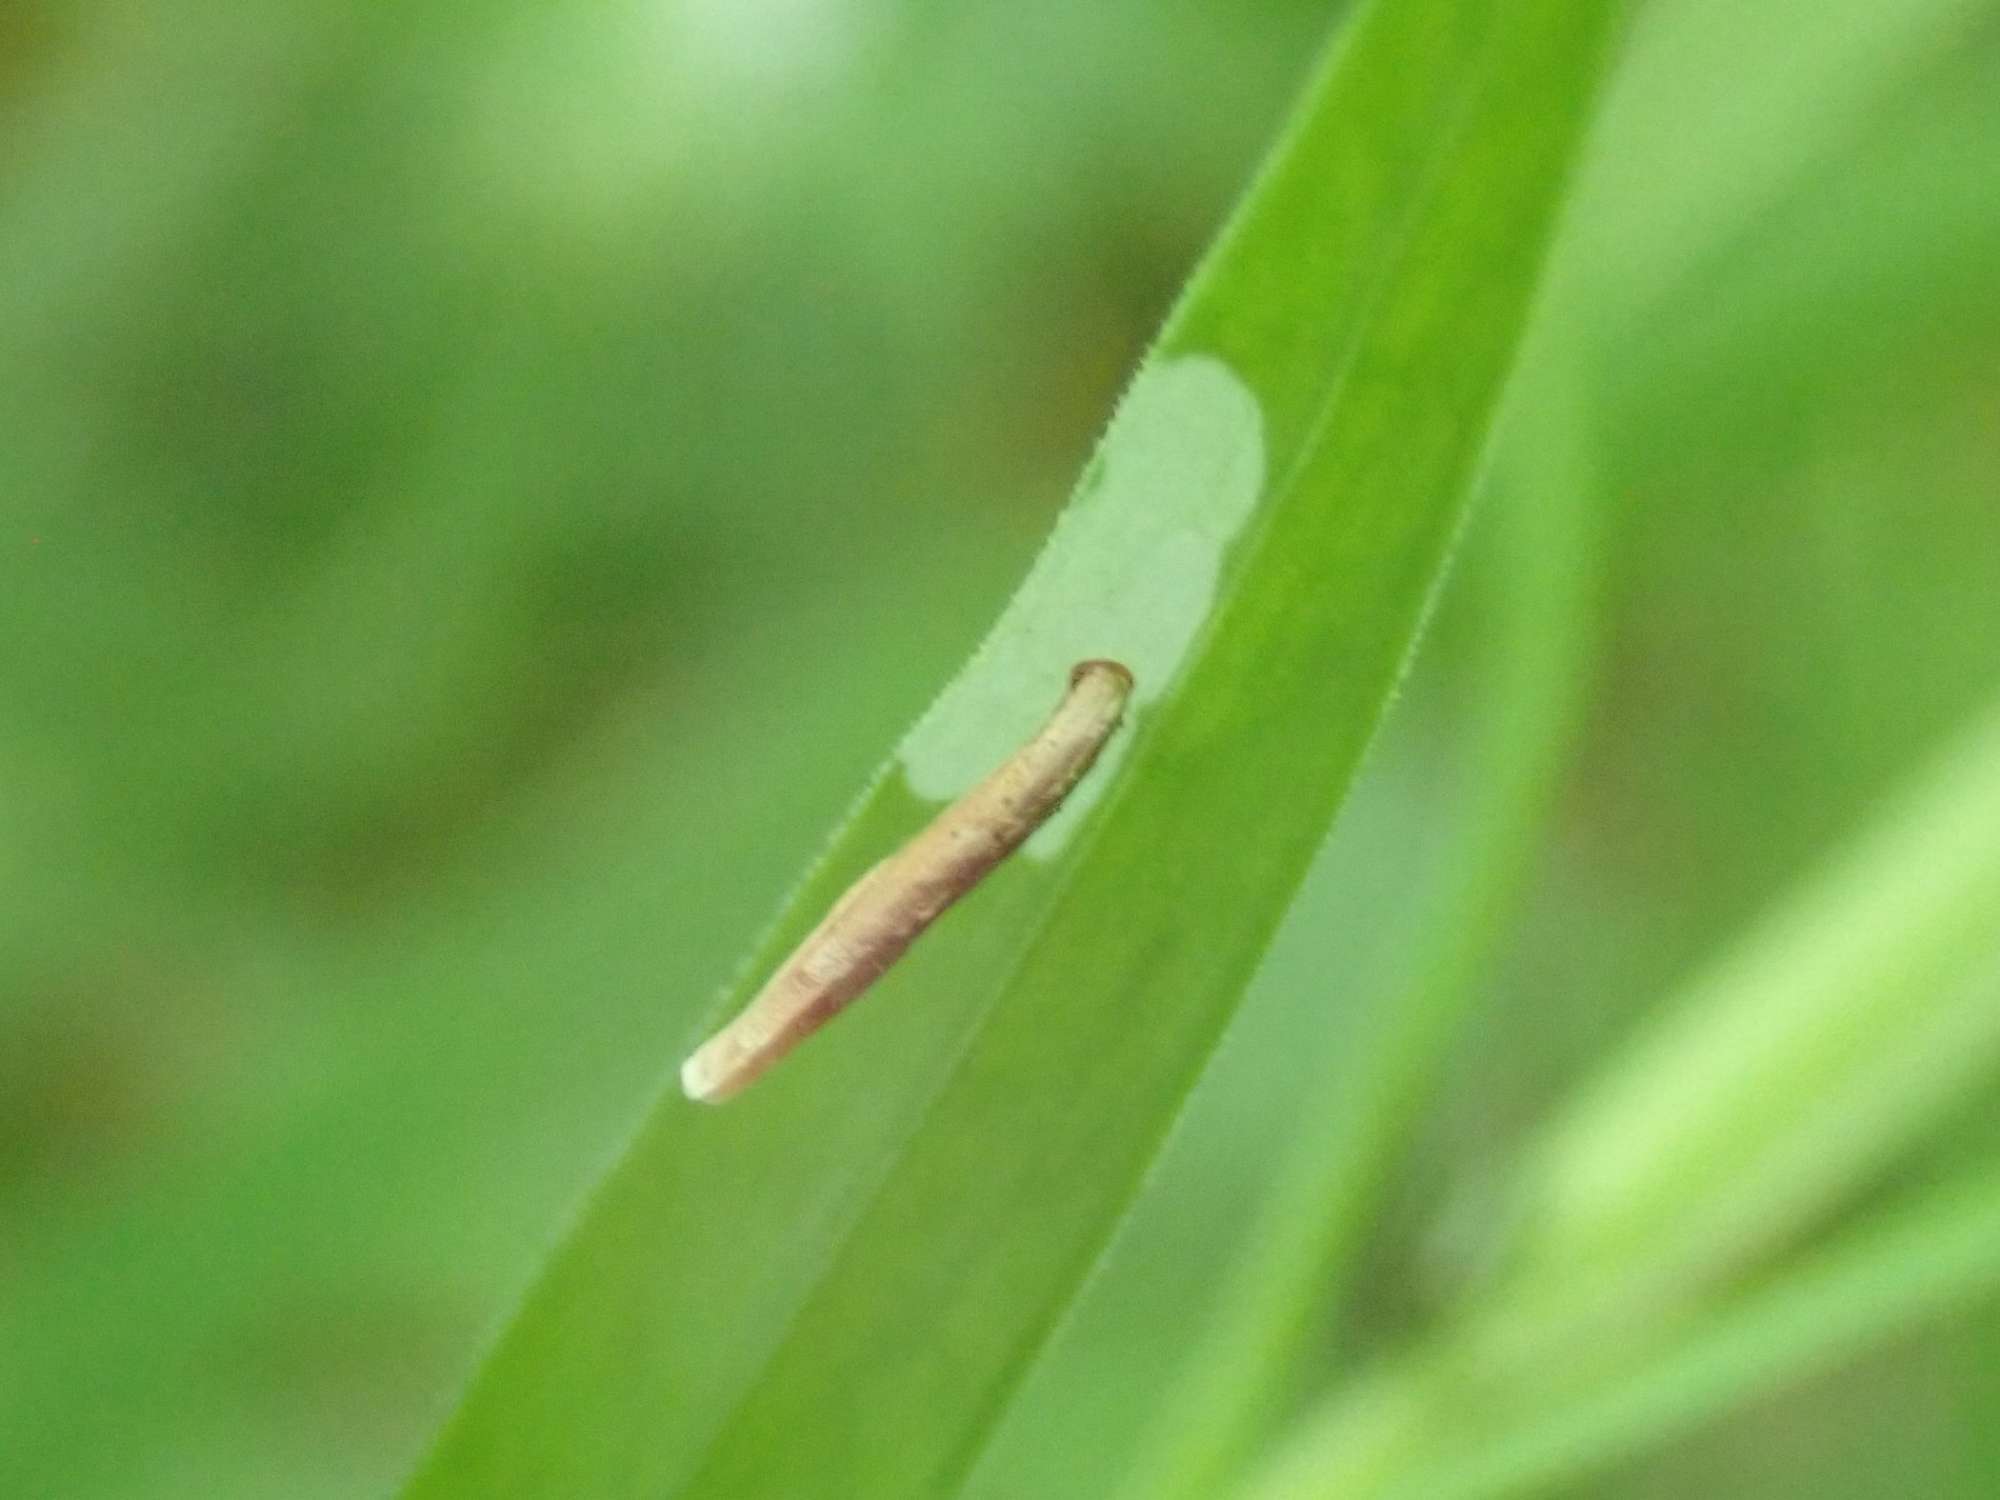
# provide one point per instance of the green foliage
(954, 1170)
(1755, 1105)
(484, 484)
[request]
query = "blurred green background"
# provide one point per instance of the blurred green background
(483, 484)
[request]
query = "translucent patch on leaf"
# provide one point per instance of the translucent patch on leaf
(1129, 573)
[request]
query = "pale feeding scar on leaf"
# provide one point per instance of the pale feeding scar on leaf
(887, 909)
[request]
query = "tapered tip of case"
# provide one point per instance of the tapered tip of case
(700, 1082)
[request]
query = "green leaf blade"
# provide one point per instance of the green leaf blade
(831, 1285)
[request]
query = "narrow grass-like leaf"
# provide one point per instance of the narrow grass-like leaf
(1938, 1251)
(829, 1286)
(1811, 1055)
(1857, 1016)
